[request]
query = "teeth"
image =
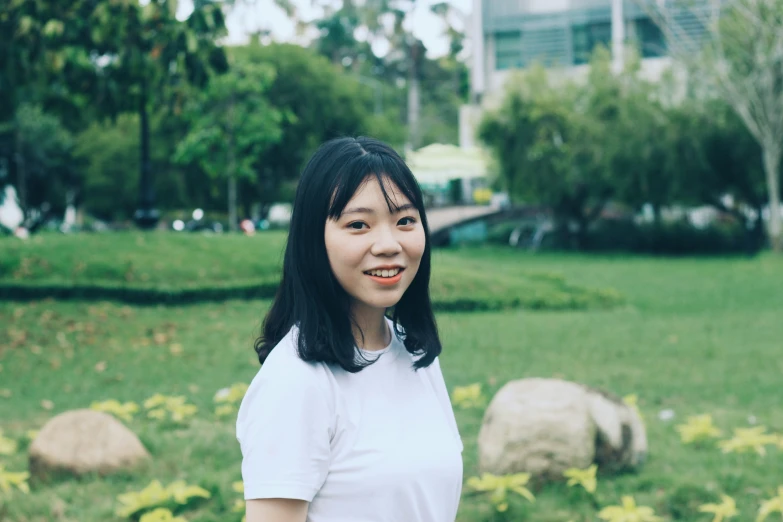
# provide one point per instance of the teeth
(384, 273)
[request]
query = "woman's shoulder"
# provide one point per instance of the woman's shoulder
(284, 359)
(286, 378)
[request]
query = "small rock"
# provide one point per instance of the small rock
(537, 426)
(84, 441)
(621, 441)
(545, 426)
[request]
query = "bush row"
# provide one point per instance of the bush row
(677, 238)
(672, 239)
(559, 298)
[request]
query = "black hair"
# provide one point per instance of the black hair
(309, 295)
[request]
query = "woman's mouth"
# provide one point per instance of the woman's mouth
(386, 277)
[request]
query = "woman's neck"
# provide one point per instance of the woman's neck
(371, 323)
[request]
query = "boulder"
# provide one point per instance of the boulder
(538, 426)
(621, 439)
(84, 441)
(545, 426)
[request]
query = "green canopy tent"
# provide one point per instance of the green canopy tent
(449, 174)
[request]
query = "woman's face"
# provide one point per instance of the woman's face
(375, 253)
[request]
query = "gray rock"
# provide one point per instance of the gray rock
(84, 441)
(621, 441)
(537, 426)
(545, 426)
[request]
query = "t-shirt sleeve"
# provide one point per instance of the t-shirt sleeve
(283, 428)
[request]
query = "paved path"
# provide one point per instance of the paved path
(439, 218)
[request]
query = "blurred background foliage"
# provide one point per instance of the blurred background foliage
(95, 92)
(97, 96)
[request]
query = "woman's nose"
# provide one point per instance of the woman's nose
(386, 242)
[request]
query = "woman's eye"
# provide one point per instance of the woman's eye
(357, 225)
(410, 221)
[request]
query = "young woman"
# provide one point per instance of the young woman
(348, 419)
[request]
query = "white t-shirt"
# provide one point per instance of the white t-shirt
(378, 445)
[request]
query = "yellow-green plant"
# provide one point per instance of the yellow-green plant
(151, 496)
(229, 398)
(7, 446)
(9, 480)
(628, 512)
(232, 395)
(156, 495)
(225, 410)
(632, 401)
(161, 515)
(239, 504)
(698, 428)
(582, 477)
(500, 486)
(159, 406)
(181, 492)
(746, 439)
(773, 505)
(725, 510)
(124, 411)
(467, 396)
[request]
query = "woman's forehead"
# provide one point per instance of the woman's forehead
(369, 193)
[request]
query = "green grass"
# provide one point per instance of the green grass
(154, 260)
(184, 268)
(696, 336)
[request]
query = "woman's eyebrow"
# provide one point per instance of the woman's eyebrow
(365, 210)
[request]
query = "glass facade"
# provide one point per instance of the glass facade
(508, 50)
(585, 38)
(568, 36)
(648, 38)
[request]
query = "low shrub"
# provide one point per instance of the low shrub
(674, 239)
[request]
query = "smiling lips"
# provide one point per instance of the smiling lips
(386, 276)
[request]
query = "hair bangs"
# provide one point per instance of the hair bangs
(385, 170)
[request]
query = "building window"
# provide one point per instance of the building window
(586, 37)
(508, 50)
(649, 38)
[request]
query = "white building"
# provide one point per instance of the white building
(512, 34)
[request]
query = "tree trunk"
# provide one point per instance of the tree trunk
(414, 103)
(772, 171)
(232, 189)
(21, 171)
(146, 215)
(232, 170)
(413, 110)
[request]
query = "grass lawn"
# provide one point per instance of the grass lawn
(183, 268)
(695, 336)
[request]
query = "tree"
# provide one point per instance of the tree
(715, 156)
(87, 58)
(550, 145)
(44, 158)
(232, 124)
(320, 102)
(107, 153)
(641, 139)
(742, 61)
(110, 153)
(155, 55)
(45, 62)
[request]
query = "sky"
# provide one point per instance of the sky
(249, 16)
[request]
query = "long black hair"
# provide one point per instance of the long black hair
(309, 295)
